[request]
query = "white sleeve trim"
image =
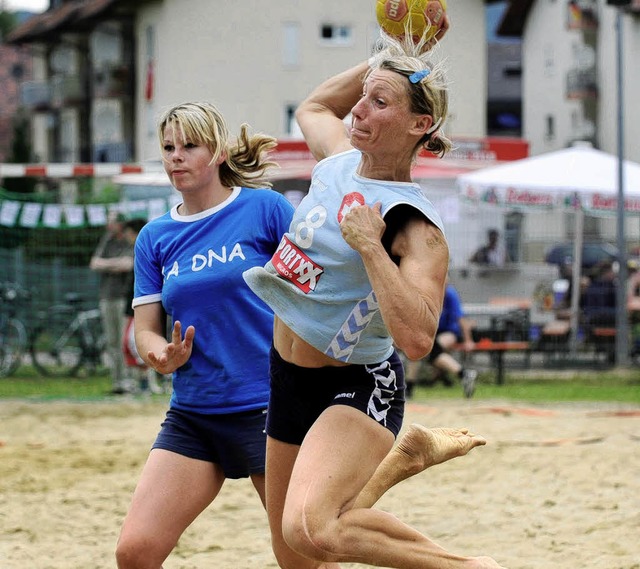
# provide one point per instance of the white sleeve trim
(148, 299)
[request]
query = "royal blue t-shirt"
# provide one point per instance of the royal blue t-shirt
(194, 265)
(451, 312)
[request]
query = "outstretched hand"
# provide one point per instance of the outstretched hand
(175, 353)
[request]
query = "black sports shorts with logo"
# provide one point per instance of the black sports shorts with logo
(299, 394)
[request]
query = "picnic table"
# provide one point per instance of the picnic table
(497, 350)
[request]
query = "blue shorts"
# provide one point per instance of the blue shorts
(235, 441)
(299, 395)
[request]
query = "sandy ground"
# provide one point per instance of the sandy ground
(557, 487)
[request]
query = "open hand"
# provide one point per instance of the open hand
(175, 353)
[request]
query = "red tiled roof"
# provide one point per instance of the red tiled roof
(64, 17)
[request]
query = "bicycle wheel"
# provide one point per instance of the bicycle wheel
(13, 342)
(56, 355)
(95, 344)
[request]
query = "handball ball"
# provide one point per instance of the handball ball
(418, 16)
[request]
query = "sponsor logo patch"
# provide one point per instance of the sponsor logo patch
(350, 200)
(292, 264)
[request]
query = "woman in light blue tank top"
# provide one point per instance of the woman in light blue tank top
(361, 269)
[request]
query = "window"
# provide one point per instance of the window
(291, 44)
(290, 124)
(336, 34)
(550, 128)
(548, 61)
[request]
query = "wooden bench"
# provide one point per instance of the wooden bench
(604, 333)
(496, 349)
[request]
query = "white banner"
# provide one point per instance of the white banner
(9, 211)
(32, 214)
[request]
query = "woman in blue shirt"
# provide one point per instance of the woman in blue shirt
(188, 266)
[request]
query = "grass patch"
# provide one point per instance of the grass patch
(621, 386)
(26, 383)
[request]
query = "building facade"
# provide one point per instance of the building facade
(109, 67)
(569, 64)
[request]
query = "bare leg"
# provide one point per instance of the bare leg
(418, 449)
(338, 456)
(280, 460)
(172, 491)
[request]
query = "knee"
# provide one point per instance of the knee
(133, 553)
(126, 554)
(310, 537)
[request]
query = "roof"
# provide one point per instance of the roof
(72, 15)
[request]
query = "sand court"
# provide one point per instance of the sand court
(556, 486)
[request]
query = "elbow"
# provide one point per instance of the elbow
(417, 347)
(301, 112)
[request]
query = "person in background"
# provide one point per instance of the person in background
(361, 268)
(633, 304)
(599, 300)
(145, 377)
(453, 328)
(113, 261)
(188, 266)
(493, 252)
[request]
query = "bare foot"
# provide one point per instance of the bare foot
(424, 447)
(418, 449)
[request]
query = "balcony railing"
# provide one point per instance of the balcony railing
(35, 95)
(67, 90)
(113, 152)
(111, 82)
(582, 84)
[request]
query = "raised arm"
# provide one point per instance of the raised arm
(320, 116)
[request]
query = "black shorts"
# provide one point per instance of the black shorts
(299, 395)
(235, 441)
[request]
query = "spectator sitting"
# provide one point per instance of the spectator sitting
(599, 299)
(453, 327)
(492, 253)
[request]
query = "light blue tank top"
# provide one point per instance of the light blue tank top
(315, 282)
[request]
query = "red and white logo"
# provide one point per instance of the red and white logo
(292, 264)
(350, 200)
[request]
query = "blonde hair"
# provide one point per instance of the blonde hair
(246, 161)
(427, 89)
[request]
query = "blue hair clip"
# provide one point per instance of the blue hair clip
(419, 75)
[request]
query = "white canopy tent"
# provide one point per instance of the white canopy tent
(580, 178)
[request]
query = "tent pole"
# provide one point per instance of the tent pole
(576, 277)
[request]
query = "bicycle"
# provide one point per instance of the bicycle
(13, 332)
(69, 339)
